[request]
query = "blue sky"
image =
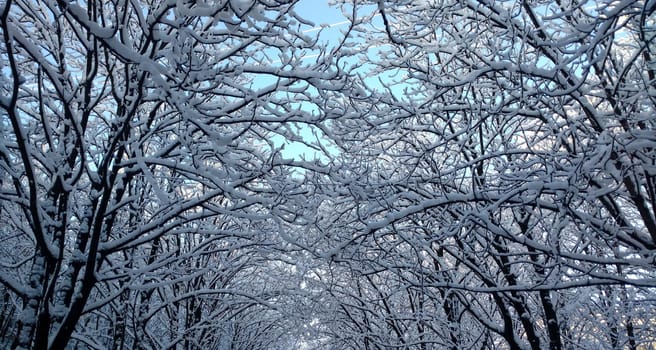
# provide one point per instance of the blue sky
(331, 23)
(319, 12)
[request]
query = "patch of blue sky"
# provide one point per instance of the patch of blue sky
(325, 26)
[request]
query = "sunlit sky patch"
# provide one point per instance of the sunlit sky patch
(330, 22)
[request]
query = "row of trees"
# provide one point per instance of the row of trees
(498, 184)
(141, 194)
(486, 178)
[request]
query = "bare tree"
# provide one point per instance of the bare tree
(139, 178)
(502, 170)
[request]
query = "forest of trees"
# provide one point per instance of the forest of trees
(476, 174)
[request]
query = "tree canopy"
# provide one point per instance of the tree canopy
(438, 175)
